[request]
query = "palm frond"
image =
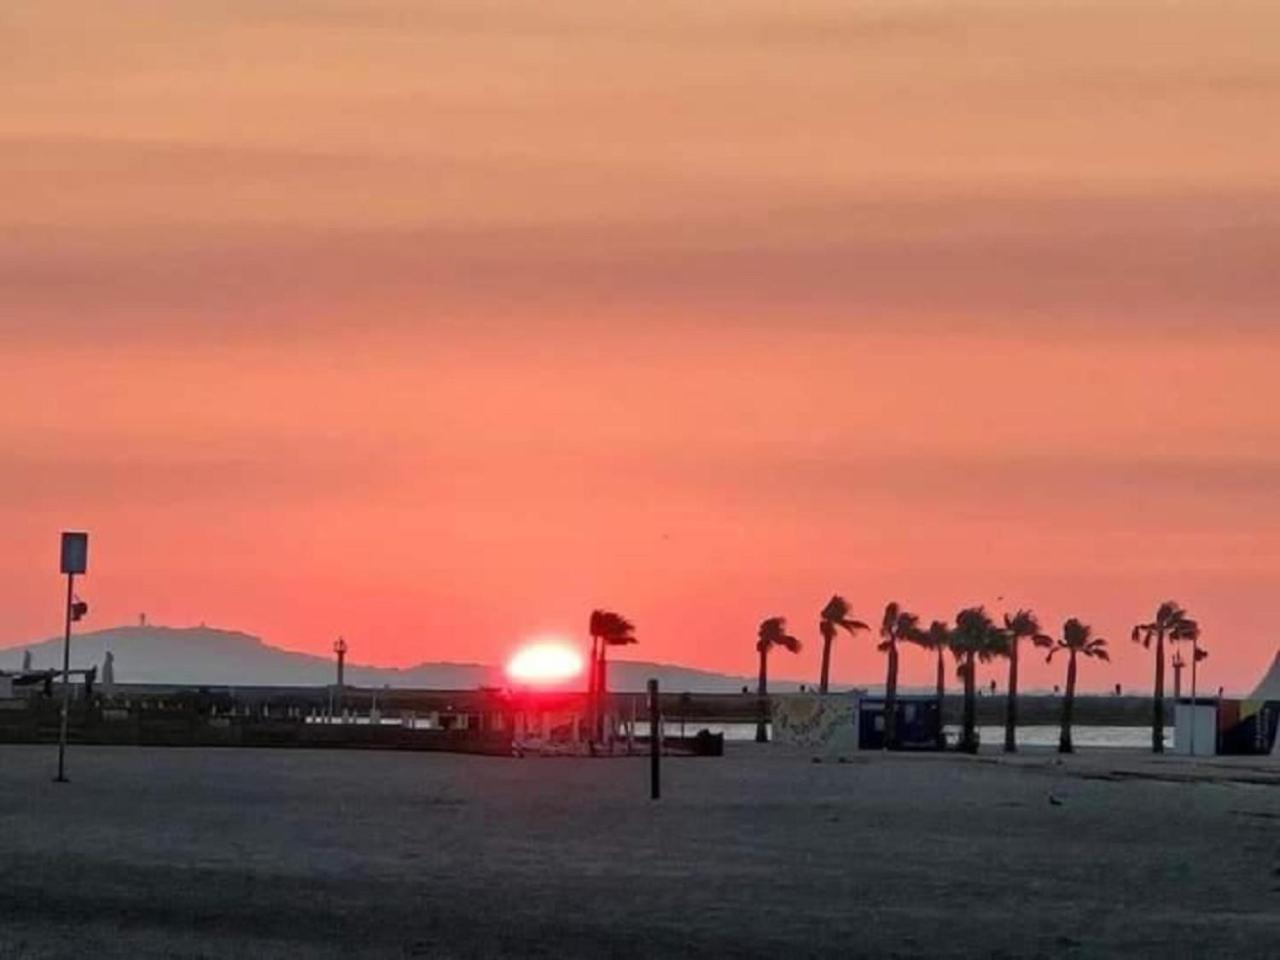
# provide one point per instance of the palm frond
(1169, 613)
(1024, 623)
(615, 629)
(889, 619)
(837, 609)
(773, 633)
(835, 616)
(937, 637)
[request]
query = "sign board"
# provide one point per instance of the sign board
(75, 553)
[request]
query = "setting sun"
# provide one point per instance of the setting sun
(545, 663)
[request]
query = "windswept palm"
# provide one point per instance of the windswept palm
(772, 633)
(975, 639)
(1078, 640)
(937, 640)
(607, 629)
(1171, 623)
(897, 624)
(834, 618)
(1022, 624)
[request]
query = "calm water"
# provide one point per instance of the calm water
(1028, 736)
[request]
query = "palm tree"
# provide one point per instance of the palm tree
(938, 640)
(772, 633)
(1024, 623)
(896, 625)
(1171, 623)
(1077, 640)
(975, 639)
(607, 629)
(834, 617)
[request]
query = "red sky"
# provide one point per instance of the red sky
(437, 324)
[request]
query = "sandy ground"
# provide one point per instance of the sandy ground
(269, 853)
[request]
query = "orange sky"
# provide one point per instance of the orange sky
(437, 324)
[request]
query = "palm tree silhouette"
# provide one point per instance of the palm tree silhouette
(937, 639)
(897, 625)
(834, 617)
(975, 639)
(772, 633)
(607, 629)
(1078, 640)
(1171, 623)
(1024, 623)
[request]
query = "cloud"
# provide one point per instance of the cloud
(1108, 264)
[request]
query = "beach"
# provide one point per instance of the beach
(277, 853)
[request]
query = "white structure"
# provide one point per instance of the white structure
(826, 725)
(1204, 737)
(1269, 687)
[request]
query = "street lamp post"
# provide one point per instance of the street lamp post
(75, 560)
(1197, 654)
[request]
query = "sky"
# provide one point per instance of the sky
(437, 324)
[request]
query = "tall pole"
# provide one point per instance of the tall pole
(1195, 707)
(655, 743)
(66, 683)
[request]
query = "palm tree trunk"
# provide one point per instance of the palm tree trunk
(592, 707)
(826, 665)
(602, 686)
(1157, 712)
(762, 691)
(1064, 740)
(970, 704)
(942, 694)
(1011, 701)
(891, 700)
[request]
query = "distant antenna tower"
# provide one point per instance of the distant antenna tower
(340, 648)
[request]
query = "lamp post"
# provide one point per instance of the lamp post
(74, 561)
(1196, 656)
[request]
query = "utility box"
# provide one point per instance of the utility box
(1196, 727)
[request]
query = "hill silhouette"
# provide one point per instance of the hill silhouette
(205, 656)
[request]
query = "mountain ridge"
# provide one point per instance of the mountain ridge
(208, 656)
